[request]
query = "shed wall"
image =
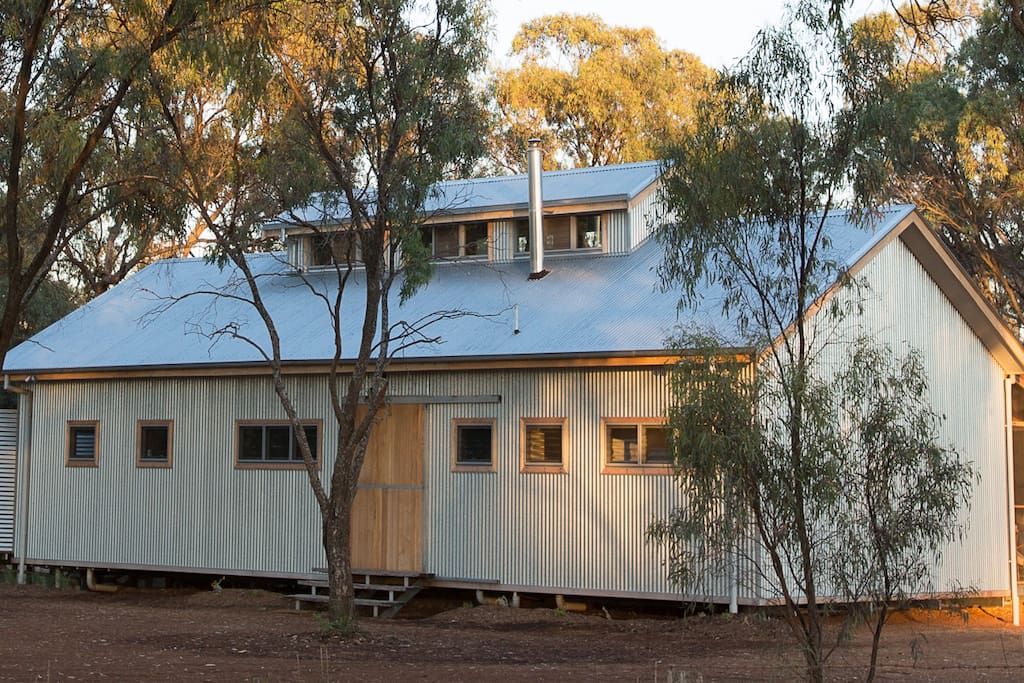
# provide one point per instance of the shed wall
(8, 476)
(581, 530)
(645, 216)
(904, 308)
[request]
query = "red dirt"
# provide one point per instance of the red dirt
(253, 636)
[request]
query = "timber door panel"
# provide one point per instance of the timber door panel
(387, 518)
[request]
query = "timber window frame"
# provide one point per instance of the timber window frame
(539, 432)
(631, 440)
(270, 435)
(81, 437)
(570, 233)
(469, 240)
(335, 248)
(461, 437)
(145, 455)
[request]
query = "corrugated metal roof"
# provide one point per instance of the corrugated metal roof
(621, 182)
(169, 313)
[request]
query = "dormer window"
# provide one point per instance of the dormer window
(328, 249)
(562, 233)
(456, 240)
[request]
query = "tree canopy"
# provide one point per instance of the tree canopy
(595, 94)
(769, 425)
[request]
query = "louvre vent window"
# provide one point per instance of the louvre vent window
(83, 444)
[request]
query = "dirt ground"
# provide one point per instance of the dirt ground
(254, 636)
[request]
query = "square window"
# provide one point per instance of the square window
(522, 235)
(637, 445)
(153, 443)
(557, 232)
(446, 241)
(473, 445)
(475, 239)
(82, 444)
(623, 444)
(278, 442)
(335, 248)
(543, 444)
(656, 446)
(588, 231)
(250, 443)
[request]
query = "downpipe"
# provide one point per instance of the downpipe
(90, 583)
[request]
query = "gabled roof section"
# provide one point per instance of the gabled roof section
(619, 183)
(956, 284)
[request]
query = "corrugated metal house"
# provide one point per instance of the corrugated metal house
(522, 452)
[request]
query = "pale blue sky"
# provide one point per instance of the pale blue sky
(717, 31)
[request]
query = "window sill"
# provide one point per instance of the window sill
(543, 469)
(637, 468)
(479, 469)
(81, 463)
(154, 464)
(273, 466)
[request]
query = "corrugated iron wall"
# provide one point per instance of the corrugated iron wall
(904, 307)
(8, 476)
(644, 217)
(502, 247)
(200, 513)
(618, 232)
(578, 530)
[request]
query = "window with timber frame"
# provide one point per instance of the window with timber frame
(272, 444)
(572, 232)
(83, 443)
(635, 445)
(543, 444)
(474, 445)
(341, 248)
(456, 240)
(153, 440)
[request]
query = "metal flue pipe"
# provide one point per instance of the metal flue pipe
(534, 156)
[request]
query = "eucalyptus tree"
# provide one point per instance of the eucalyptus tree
(950, 130)
(595, 94)
(68, 72)
(355, 109)
(771, 459)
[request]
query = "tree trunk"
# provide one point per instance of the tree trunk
(338, 548)
(883, 614)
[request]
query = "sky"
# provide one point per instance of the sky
(717, 31)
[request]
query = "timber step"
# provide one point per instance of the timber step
(371, 587)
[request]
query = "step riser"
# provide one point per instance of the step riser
(398, 593)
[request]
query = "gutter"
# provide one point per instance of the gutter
(24, 468)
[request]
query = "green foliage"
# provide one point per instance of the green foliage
(81, 159)
(866, 505)
(780, 454)
(948, 122)
(903, 490)
(595, 94)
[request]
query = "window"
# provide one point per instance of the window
(453, 241)
(562, 233)
(273, 445)
(82, 444)
(636, 445)
(473, 445)
(543, 445)
(332, 248)
(153, 439)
